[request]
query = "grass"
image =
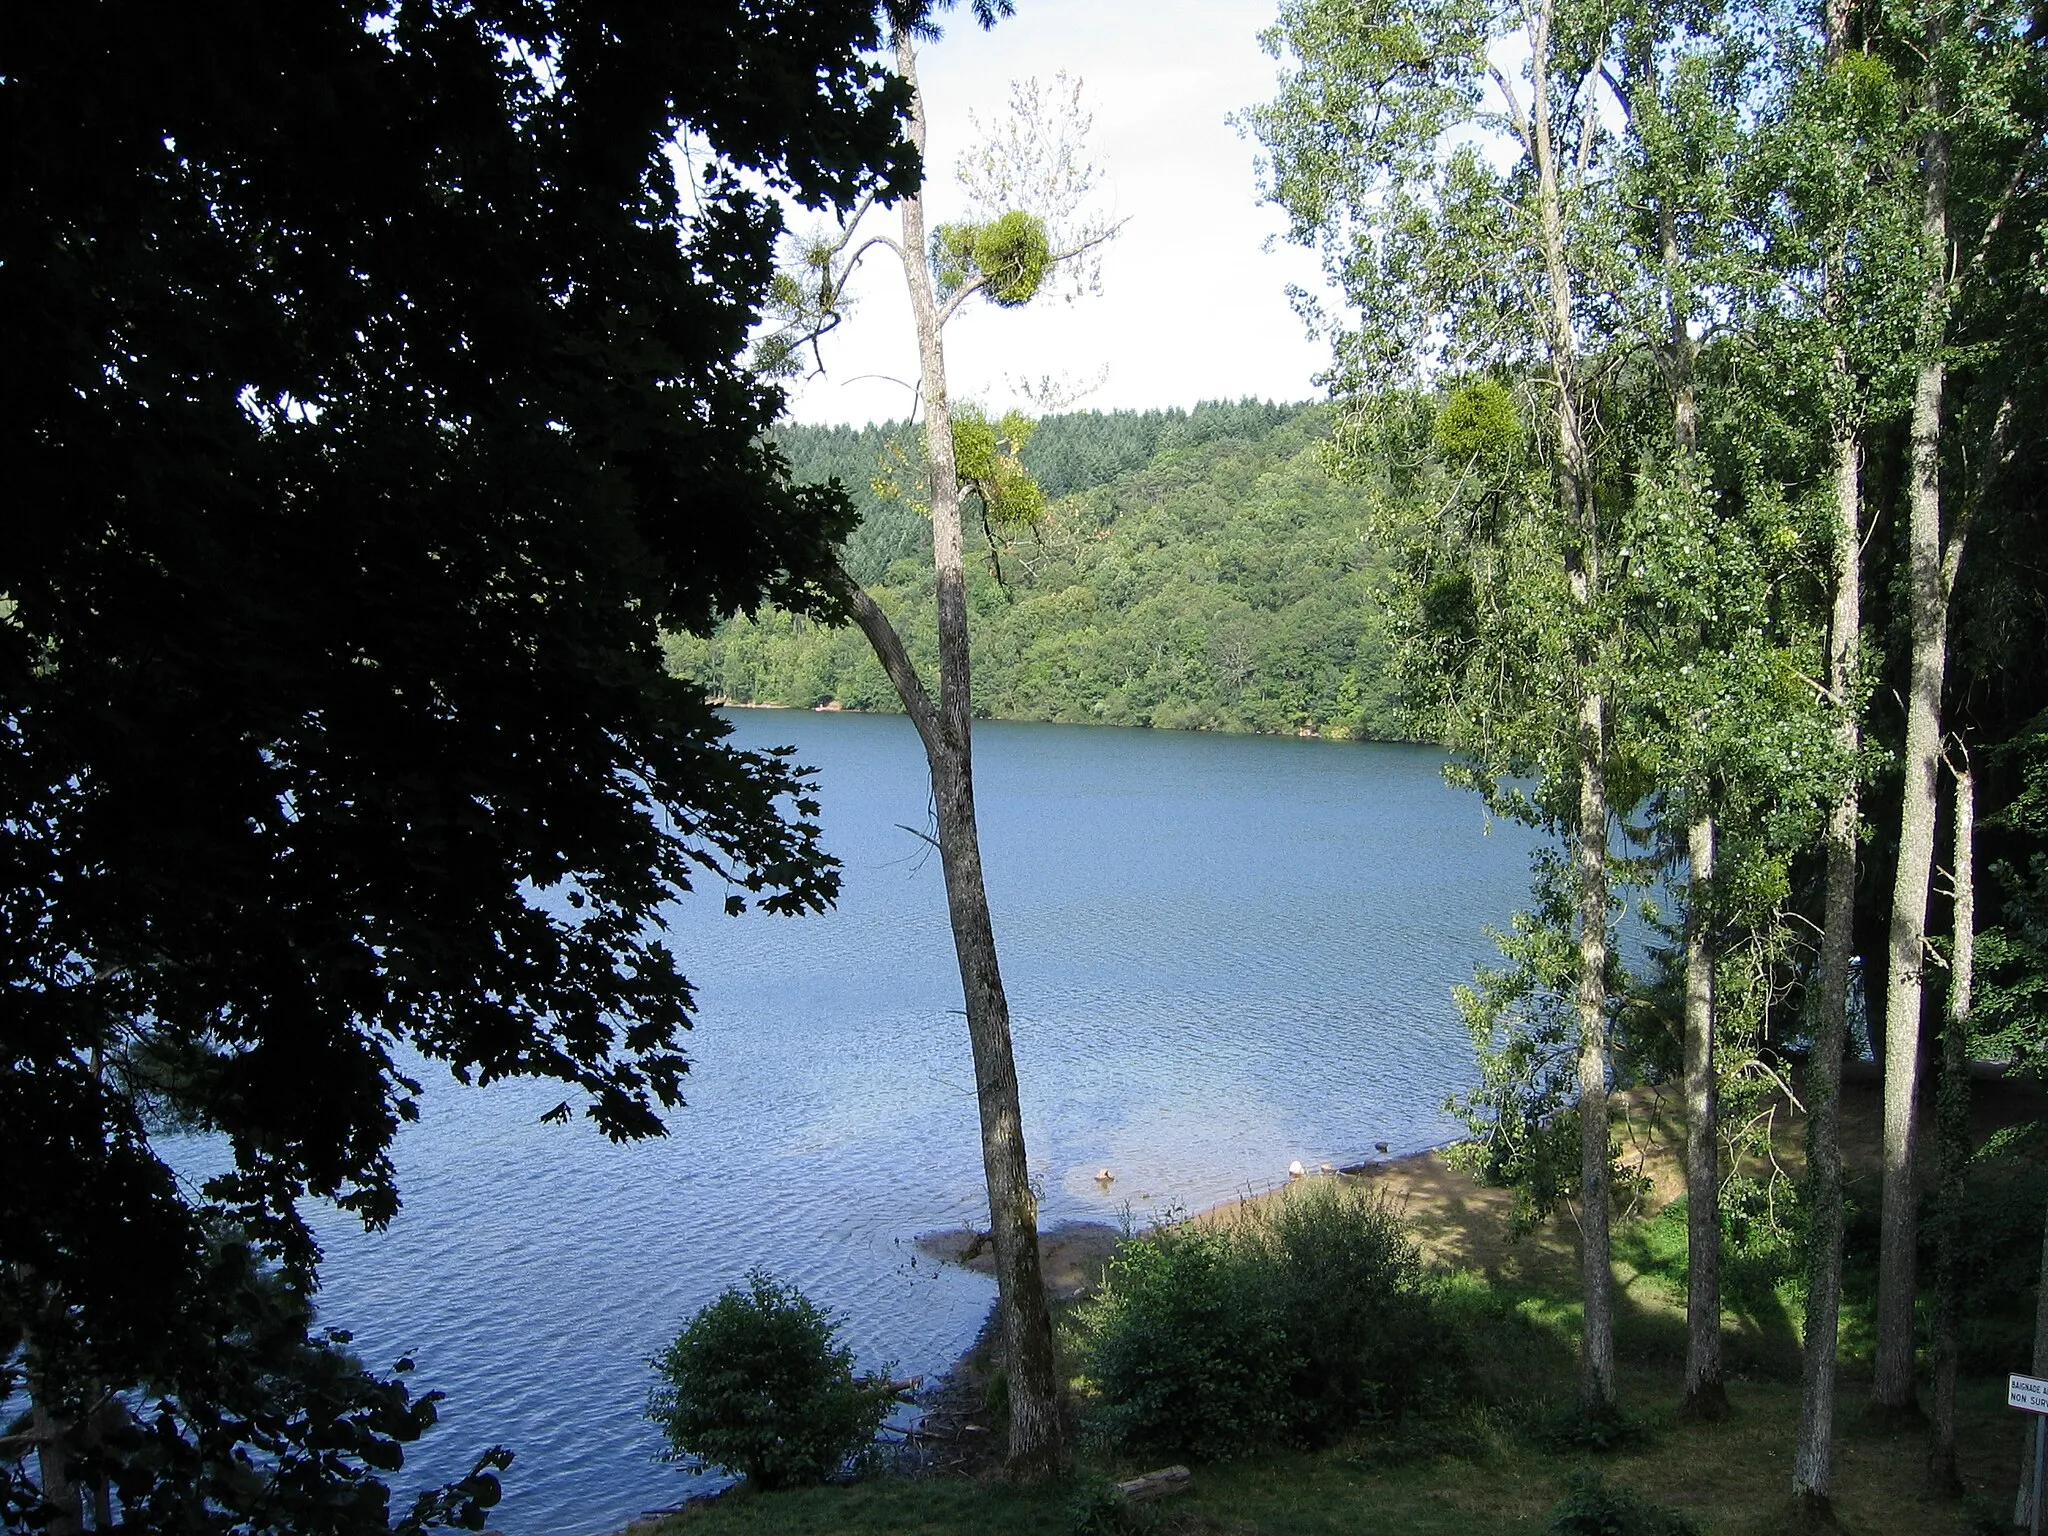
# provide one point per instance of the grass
(1730, 1479)
(1516, 1304)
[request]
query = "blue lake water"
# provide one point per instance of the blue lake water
(1222, 953)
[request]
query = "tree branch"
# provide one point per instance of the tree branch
(953, 304)
(874, 623)
(1516, 123)
(1997, 219)
(1588, 119)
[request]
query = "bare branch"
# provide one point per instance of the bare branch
(874, 623)
(925, 837)
(1588, 120)
(1977, 261)
(968, 290)
(1517, 124)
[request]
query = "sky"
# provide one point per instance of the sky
(1193, 304)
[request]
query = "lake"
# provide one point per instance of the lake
(1223, 954)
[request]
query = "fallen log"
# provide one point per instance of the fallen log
(1155, 1485)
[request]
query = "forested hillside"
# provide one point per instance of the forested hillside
(1197, 570)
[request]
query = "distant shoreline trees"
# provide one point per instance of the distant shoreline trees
(1197, 570)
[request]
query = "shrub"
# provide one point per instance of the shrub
(1602, 1428)
(759, 1384)
(1595, 1507)
(1307, 1316)
(1354, 1306)
(1186, 1352)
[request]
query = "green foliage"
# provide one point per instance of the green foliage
(1097, 1509)
(1763, 1255)
(249, 1408)
(1998, 1254)
(1522, 1017)
(2011, 1016)
(1595, 1507)
(758, 1383)
(987, 458)
(1186, 1348)
(373, 400)
(1477, 423)
(1191, 569)
(1009, 255)
(1297, 1322)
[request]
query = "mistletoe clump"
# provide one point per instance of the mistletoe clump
(1009, 255)
(987, 456)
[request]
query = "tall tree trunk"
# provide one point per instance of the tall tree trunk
(1893, 1393)
(1952, 1139)
(1813, 1456)
(1596, 1362)
(1038, 1435)
(1706, 1397)
(1575, 498)
(1820, 1333)
(64, 1504)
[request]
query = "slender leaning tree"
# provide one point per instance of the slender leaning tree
(1829, 322)
(1026, 186)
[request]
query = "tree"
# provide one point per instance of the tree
(1679, 142)
(372, 394)
(1026, 188)
(1827, 321)
(1952, 1126)
(1455, 262)
(1973, 77)
(758, 1382)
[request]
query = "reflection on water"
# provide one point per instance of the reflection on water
(1223, 954)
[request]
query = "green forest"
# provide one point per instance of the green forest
(1195, 570)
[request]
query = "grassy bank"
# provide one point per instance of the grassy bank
(1729, 1478)
(1492, 1459)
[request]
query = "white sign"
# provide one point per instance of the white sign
(2029, 1394)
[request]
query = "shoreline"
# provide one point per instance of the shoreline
(1072, 1252)
(1073, 1255)
(835, 707)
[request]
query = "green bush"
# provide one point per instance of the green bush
(1306, 1317)
(759, 1384)
(1595, 1507)
(1601, 1428)
(1186, 1352)
(1355, 1307)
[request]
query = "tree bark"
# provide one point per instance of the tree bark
(1952, 1139)
(1928, 604)
(1706, 1396)
(1038, 1433)
(1575, 497)
(1596, 1374)
(63, 1502)
(1820, 1333)
(1813, 1456)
